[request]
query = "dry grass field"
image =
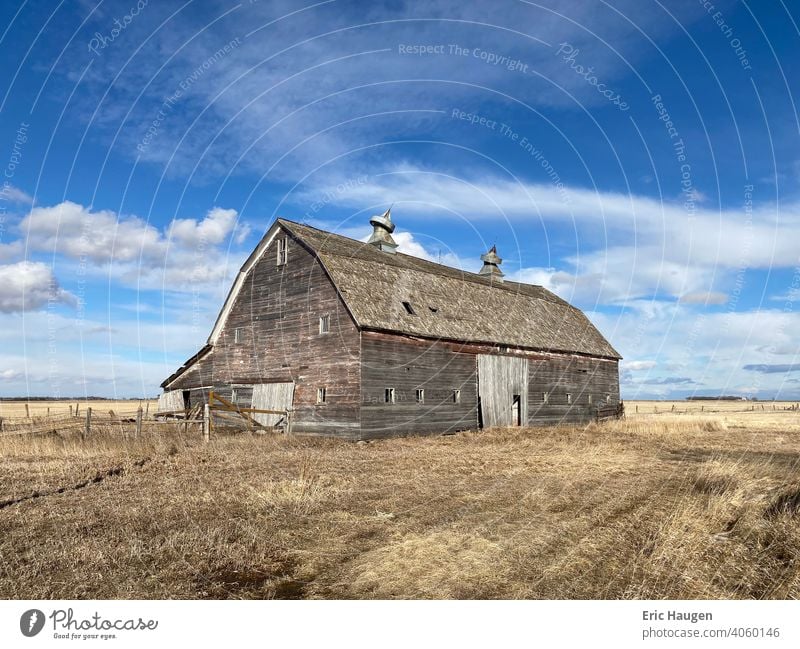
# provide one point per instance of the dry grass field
(125, 407)
(661, 505)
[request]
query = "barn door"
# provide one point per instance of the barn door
(272, 396)
(503, 390)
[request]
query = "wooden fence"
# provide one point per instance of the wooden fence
(220, 413)
(87, 421)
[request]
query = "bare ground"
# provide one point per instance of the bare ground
(660, 507)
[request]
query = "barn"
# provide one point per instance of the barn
(356, 340)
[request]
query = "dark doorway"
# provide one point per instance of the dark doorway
(516, 411)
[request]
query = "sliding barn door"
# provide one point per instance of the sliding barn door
(272, 396)
(503, 390)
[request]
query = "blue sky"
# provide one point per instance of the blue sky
(638, 158)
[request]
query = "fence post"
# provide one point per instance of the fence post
(48, 412)
(77, 409)
(88, 429)
(146, 409)
(139, 422)
(27, 411)
(2, 425)
(70, 410)
(206, 423)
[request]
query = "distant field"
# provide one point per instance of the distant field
(14, 409)
(762, 415)
(698, 407)
(661, 505)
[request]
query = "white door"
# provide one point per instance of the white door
(500, 380)
(272, 396)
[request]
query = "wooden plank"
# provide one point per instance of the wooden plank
(275, 397)
(499, 379)
(170, 402)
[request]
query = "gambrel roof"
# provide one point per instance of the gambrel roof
(447, 303)
(398, 293)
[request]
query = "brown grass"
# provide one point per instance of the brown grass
(16, 409)
(658, 507)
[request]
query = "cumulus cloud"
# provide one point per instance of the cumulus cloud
(103, 236)
(100, 236)
(217, 225)
(28, 286)
(187, 252)
(10, 375)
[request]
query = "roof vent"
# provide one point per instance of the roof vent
(382, 232)
(491, 265)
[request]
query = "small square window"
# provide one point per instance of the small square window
(409, 309)
(388, 395)
(545, 397)
(608, 398)
(569, 398)
(321, 395)
(590, 399)
(456, 396)
(420, 396)
(324, 324)
(237, 335)
(283, 250)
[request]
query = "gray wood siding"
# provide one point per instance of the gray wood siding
(407, 365)
(200, 374)
(580, 377)
(277, 314)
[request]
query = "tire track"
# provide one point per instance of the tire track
(98, 478)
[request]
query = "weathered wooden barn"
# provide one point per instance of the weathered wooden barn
(360, 341)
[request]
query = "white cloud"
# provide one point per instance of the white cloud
(215, 228)
(14, 194)
(100, 236)
(27, 286)
(712, 348)
(10, 375)
(189, 253)
(631, 246)
(704, 297)
(635, 366)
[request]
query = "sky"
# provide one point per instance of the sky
(639, 158)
